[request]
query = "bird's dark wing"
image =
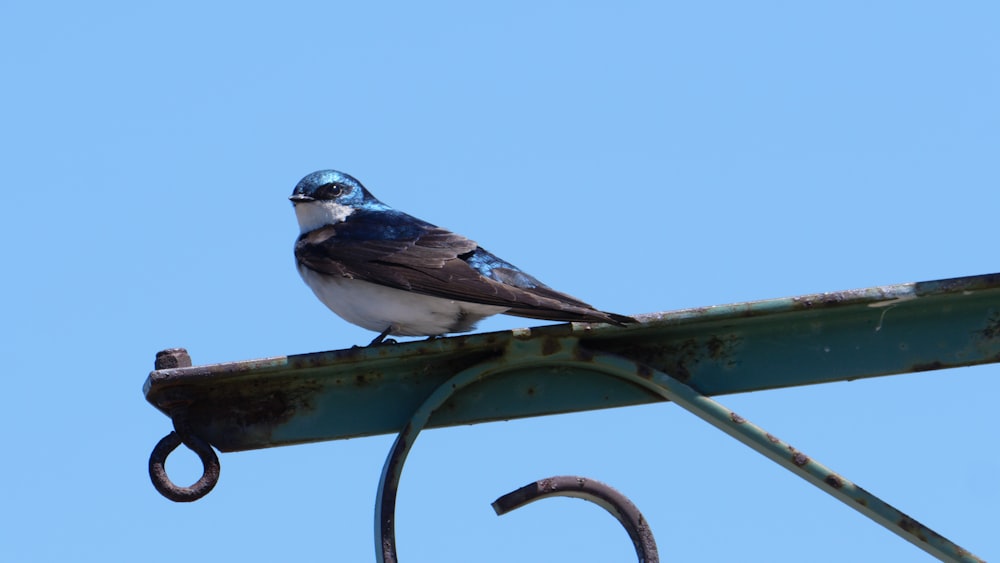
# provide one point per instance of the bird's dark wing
(432, 261)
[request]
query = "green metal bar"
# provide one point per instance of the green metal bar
(715, 350)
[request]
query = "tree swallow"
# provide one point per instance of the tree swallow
(394, 274)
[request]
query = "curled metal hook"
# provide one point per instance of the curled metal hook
(596, 492)
(158, 471)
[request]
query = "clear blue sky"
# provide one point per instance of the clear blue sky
(643, 157)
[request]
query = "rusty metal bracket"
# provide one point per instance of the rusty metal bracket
(838, 336)
(683, 356)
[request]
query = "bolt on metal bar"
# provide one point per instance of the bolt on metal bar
(182, 434)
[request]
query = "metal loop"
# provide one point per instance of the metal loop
(158, 472)
(617, 504)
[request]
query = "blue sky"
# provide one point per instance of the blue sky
(643, 157)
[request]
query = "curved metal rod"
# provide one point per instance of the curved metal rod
(596, 492)
(530, 354)
(773, 448)
(533, 354)
(158, 472)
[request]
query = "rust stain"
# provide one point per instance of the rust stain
(992, 329)
(550, 346)
(584, 354)
(834, 481)
(798, 458)
(644, 371)
(912, 527)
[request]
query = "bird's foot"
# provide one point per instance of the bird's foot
(381, 338)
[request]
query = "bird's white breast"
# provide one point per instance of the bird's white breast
(377, 307)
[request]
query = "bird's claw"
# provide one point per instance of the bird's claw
(381, 338)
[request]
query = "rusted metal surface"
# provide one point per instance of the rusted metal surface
(172, 358)
(182, 434)
(166, 487)
(717, 350)
(617, 504)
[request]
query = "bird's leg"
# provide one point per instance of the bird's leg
(380, 339)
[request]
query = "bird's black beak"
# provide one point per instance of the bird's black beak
(300, 198)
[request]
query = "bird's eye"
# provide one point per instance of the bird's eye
(329, 191)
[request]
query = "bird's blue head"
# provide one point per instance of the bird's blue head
(328, 197)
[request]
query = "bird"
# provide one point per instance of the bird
(397, 275)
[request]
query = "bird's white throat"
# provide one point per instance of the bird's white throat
(315, 214)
